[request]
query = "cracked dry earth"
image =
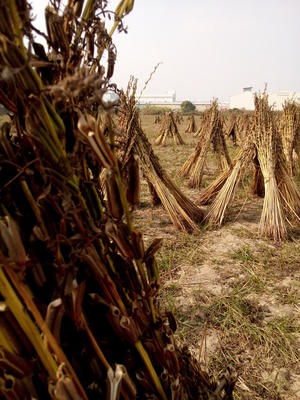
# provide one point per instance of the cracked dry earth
(236, 298)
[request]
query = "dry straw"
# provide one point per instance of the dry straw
(265, 134)
(182, 211)
(289, 126)
(222, 190)
(169, 129)
(211, 134)
(191, 127)
(271, 180)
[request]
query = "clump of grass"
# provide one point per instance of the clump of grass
(253, 343)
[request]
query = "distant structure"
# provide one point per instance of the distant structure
(166, 100)
(277, 99)
(169, 100)
(168, 97)
(245, 100)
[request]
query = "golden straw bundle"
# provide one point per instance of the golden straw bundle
(265, 136)
(183, 212)
(191, 128)
(290, 133)
(211, 133)
(169, 128)
(230, 180)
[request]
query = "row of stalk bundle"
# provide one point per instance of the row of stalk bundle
(270, 147)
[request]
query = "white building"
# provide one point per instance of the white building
(244, 100)
(277, 99)
(168, 97)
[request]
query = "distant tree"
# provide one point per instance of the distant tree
(187, 106)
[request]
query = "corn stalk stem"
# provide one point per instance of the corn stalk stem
(94, 344)
(62, 359)
(27, 324)
(16, 24)
(144, 355)
(34, 207)
(119, 15)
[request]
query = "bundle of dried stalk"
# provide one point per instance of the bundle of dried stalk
(177, 118)
(264, 148)
(201, 126)
(242, 126)
(266, 138)
(289, 190)
(183, 212)
(258, 184)
(230, 130)
(290, 132)
(242, 159)
(78, 316)
(191, 128)
(228, 181)
(211, 133)
(169, 128)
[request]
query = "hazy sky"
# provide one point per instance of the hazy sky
(210, 48)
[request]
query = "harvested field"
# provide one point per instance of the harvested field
(236, 296)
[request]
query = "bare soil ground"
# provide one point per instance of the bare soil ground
(236, 296)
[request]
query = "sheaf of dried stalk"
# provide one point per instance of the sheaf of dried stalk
(191, 128)
(225, 195)
(183, 212)
(211, 134)
(168, 129)
(289, 126)
(272, 223)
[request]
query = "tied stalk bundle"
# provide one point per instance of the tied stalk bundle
(289, 126)
(183, 213)
(223, 189)
(169, 129)
(230, 129)
(191, 128)
(272, 223)
(211, 134)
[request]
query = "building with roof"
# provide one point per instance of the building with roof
(168, 97)
(277, 99)
(244, 100)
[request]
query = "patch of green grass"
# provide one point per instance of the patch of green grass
(289, 295)
(243, 254)
(281, 334)
(184, 249)
(280, 258)
(253, 344)
(169, 297)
